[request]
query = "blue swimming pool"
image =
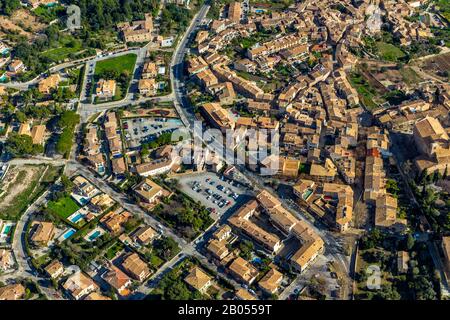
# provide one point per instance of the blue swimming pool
(7, 229)
(69, 233)
(175, 121)
(77, 218)
(257, 260)
(95, 235)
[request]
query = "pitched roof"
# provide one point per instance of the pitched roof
(12, 292)
(116, 278)
(197, 278)
(271, 280)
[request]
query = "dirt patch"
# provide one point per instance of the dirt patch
(16, 181)
(21, 22)
(438, 66)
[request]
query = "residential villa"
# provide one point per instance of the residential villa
(6, 259)
(135, 267)
(118, 280)
(43, 232)
(79, 285)
(243, 271)
(145, 235)
(271, 281)
(433, 142)
(48, 84)
(148, 191)
(137, 31)
(54, 269)
(198, 280)
(12, 292)
(115, 220)
(147, 87)
(106, 89)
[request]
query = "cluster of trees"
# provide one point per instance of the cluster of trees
(414, 50)
(395, 97)
(424, 178)
(174, 288)
(67, 122)
(195, 216)
(216, 6)
(63, 94)
(174, 18)
(246, 248)
(77, 252)
(418, 283)
(30, 53)
(21, 145)
(66, 189)
(162, 140)
(435, 205)
(105, 14)
(166, 248)
(392, 187)
(185, 215)
(7, 7)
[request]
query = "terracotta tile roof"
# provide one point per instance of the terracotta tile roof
(197, 278)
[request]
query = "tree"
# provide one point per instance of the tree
(166, 247)
(67, 121)
(246, 248)
(436, 176)
(21, 145)
(21, 117)
(67, 183)
(144, 151)
(423, 176)
(7, 7)
(178, 291)
(409, 242)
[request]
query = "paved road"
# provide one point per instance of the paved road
(188, 118)
(176, 69)
(187, 249)
(86, 108)
(27, 85)
(77, 168)
(25, 268)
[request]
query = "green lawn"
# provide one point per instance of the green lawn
(444, 8)
(118, 68)
(69, 45)
(117, 64)
(48, 14)
(155, 261)
(389, 52)
(366, 92)
(64, 207)
(113, 250)
(410, 76)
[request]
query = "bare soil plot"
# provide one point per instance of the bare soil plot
(437, 65)
(21, 22)
(17, 187)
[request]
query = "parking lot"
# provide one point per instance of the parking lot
(215, 192)
(141, 130)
